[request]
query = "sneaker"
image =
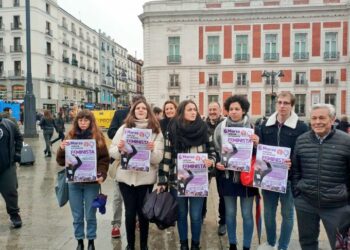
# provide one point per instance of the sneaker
(266, 246)
(115, 232)
(222, 229)
(16, 220)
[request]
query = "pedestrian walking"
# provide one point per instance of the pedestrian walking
(188, 133)
(237, 108)
(11, 142)
(81, 195)
(281, 129)
(47, 125)
(135, 185)
(59, 126)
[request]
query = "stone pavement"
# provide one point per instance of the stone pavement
(46, 226)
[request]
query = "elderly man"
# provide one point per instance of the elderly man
(321, 178)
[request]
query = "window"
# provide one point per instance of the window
(330, 77)
(300, 78)
(3, 92)
(271, 47)
(48, 92)
(331, 42)
(16, 22)
(48, 28)
(330, 98)
(2, 44)
(48, 49)
(242, 79)
(174, 49)
(213, 80)
(175, 98)
(213, 98)
(300, 104)
(47, 8)
(300, 46)
(213, 45)
(270, 106)
(174, 80)
(17, 67)
(1, 23)
(17, 92)
(48, 70)
(1, 69)
(242, 47)
(15, 3)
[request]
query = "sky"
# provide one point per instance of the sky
(117, 18)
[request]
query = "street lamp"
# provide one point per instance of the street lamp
(270, 79)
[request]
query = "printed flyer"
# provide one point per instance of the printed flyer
(237, 148)
(137, 157)
(270, 169)
(192, 175)
(81, 160)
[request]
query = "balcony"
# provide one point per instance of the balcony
(2, 75)
(269, 82)
(2, 50)
(241, 57)
(174, 59)
(16, 74)
(242, 83)
(49, 53)
(75, 62)
(2, 27)
(82, 83)
(67, 80)
(213, 84)
(89, 68)
(213, 58)
(301, 82)
(16, 49)
(64, 25)
(174, 85)
(89, 53)
(331, 82)
(16, 26)
(75, 81)
(65, 59)
(82, 66)
(48, 32)
(88, 39)
(271, 57)
(65, 42)
(301, 56)
(95, 71)
(73, 31)
(95, 57)
(50, 78)
(331, 56)
(74, 46)
(81, 35)
(82, 50)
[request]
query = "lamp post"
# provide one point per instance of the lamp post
(29, 98)
(270, 78)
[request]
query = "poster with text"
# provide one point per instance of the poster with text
(236, 148)
(192, 175)
(81, 160)
(137, 157)
(270, 169)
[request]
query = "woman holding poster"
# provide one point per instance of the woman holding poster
(188, 133)
(237, 108)
(134, 185)
(81, 195)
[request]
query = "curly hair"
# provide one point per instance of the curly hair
(243, 102)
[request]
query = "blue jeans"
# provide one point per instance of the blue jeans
(247, 214)
(287, 211)
(80, 199)
(196, 206)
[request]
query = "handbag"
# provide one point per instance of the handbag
(61, 188)
(247, 178)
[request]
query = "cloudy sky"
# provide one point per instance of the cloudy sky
(117, 18)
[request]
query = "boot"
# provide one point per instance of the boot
(80, 245)
(91, 245)
(129, 248)
(49, 154)
(233, 247)
(246, 248)
(195, 245)
(184, 245)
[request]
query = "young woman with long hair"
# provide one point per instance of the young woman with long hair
(81, 195)
(47, 124)
(188, 133)
(134, 185)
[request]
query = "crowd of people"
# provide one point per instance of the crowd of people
(318, 184)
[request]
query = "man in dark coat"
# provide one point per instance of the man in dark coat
(11, 142)
(321, 178)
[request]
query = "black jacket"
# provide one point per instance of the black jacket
(16, 140)
(118, 120)
(321, 170)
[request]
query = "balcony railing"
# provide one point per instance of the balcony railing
(174, 85)
(48, 32)
(174, 59)
(213, 58)
(301, 56)
(64, 25)
(89, 53)
(50, 77)
(89, 68)
(75, 81)
(331, 82)
(241, 57)
(82, 50)
(16, 49)
(82, 82)
(74, 46)
(16, 26)
(16, 73)
(65, 59)
(331, 55)
(82, 66)
(81, 35)
(50, 53)
(73, 31)
(213, 84)
(67, 80)
(95, 57)
(271, 57)
(75, 62)
(268, 82)
(301, 82)
(95, 71)
(242, 83)
(65, 42)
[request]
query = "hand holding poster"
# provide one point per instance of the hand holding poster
(138, 156)
(81, 160)
(237, 148)
(270, 169)
(192, 175)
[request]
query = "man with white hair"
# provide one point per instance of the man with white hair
(321, 178)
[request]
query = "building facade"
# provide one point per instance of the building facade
(209, 50)
(121, 69)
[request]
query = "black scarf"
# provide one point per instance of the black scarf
(185, 135)
(83, 134)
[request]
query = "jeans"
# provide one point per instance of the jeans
(47, 137)
(133, 197)
(80, 199)
(247, 214)
(196, 206)
(287, 211)
(117, 206)
(8, 189)
(309, 217)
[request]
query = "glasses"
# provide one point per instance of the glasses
(284, 103)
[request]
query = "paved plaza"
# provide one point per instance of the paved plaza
(46, 226)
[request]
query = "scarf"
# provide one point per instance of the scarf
(244, 123)
(185, 135)
(141, 123)
(83, 134)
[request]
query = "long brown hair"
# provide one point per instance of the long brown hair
(152, 120)
(180, 112)
(48, 115)
(95, 131)
(169, 102)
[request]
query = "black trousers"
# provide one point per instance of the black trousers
(60, 137)
(8, 189)
(133, 201)
(222, 213)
